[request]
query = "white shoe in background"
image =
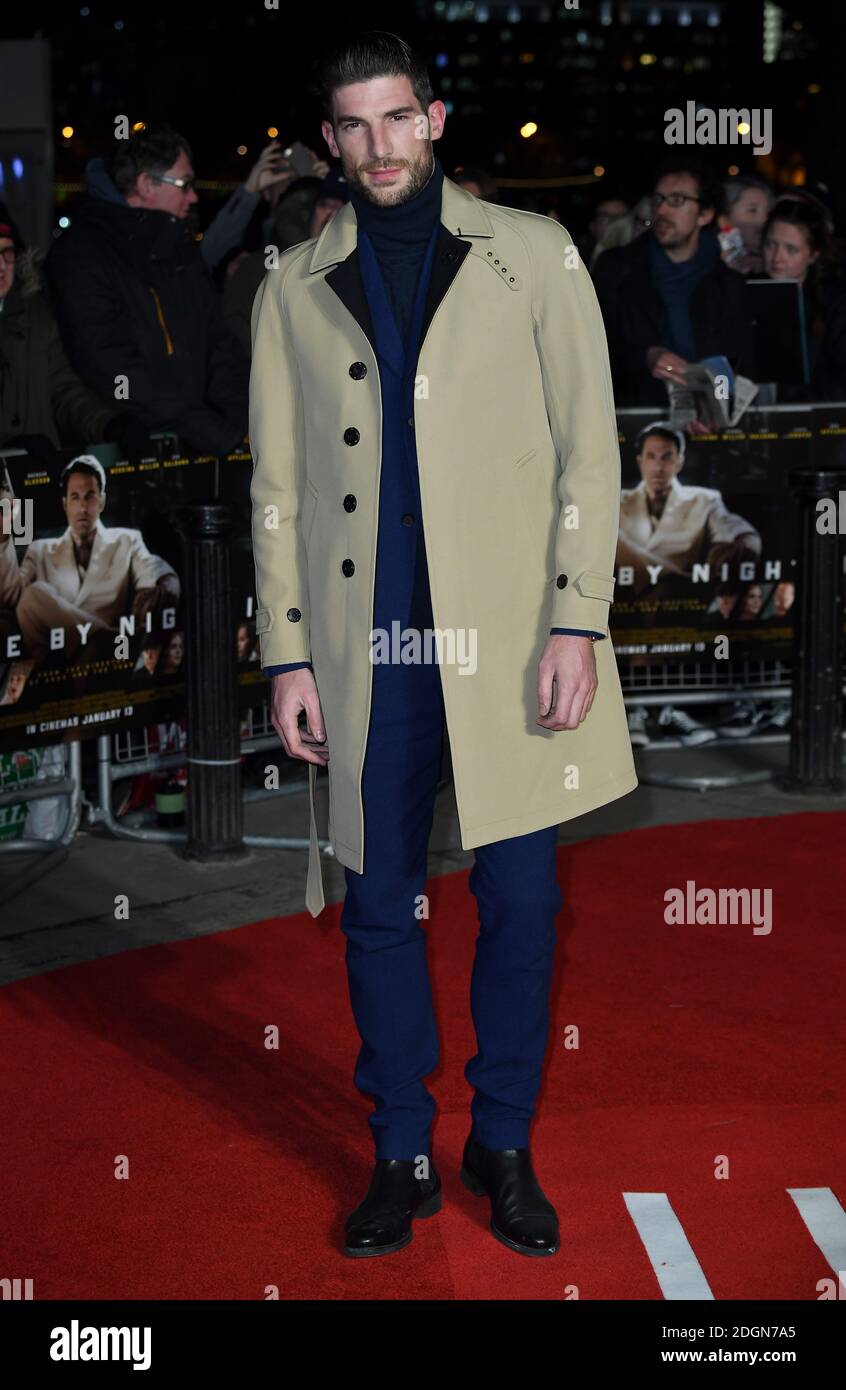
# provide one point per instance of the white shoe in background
(687, 730)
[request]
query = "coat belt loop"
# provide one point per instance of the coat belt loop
(314, 899)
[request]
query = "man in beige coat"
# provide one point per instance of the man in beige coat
(486, 461)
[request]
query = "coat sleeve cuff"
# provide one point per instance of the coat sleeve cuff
(287, 637)
(583, 602)
(289, 666)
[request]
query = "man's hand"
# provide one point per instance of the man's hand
(294, 691)
(151, 600)
(666, 365)
(571, 661)
(269, 168)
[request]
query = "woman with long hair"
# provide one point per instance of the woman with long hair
(798, 244)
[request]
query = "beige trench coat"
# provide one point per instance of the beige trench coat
(519, 470)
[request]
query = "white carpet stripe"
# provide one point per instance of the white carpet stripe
(677, 1269)
(826, 1220)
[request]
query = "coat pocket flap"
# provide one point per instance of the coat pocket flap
(264, 620)
(592, 585)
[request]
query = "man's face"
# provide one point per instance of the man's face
(659, 462)
(678, 228)
(151, 656)
(383, 138)
(324, 211)
(606, 213)
(7, 265)
(83, 503)
(151, 193)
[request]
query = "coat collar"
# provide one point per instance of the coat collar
(461, 214)
(337, 246)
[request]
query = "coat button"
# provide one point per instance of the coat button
(357, 371)
(561, 581)
(348, 568)
(351, 436)
(408, 519)
(350, 503)
(411, 421)
(294, 615)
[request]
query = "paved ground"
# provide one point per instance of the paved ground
(68, 915)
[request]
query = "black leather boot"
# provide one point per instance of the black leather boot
(521, 1217)
(382, 1222)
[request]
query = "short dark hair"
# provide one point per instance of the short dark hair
(663, 432)
(707, 188)
(374, 54)
(149, 151)
(86, 463)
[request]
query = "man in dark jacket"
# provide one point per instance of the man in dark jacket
(137, 312)
(43, 403)
(667, 298)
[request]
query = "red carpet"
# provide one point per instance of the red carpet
(696, 1041)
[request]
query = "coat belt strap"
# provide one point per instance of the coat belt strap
(314, 898)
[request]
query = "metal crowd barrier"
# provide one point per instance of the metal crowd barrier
(51, 852)
(128, 755)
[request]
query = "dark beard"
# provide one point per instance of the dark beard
(420, 175)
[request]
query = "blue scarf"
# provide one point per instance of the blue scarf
(675, 281)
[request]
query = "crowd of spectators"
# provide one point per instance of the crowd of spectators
(137, 321)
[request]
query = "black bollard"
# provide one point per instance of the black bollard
(214, 809)
(815, 745)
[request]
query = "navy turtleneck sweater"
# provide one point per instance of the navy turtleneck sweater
(400, 236)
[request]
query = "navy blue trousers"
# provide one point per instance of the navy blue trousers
(518, 898)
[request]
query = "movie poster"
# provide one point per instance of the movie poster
(707, 547)
(92, 635)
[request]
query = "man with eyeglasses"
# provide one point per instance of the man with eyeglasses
(135, 304)
(667, 298)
